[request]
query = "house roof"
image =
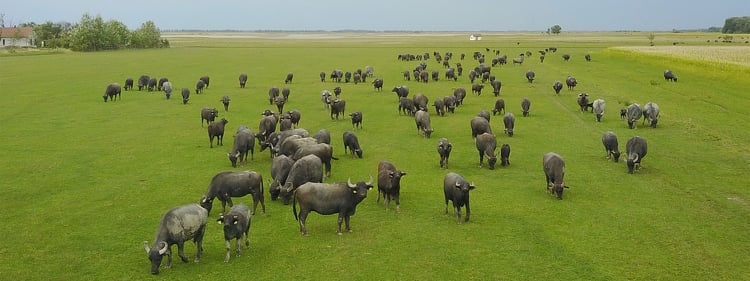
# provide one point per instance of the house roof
(9, 32)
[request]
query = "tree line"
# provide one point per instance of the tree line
(736, 25)
(95, 34)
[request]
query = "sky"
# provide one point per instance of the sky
(387, 15)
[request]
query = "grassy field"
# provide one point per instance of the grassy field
(86, 182)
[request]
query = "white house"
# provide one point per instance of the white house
(475, 37)
(17, 37)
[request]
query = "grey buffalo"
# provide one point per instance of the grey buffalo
(356, 119)
(280, 167)
(636, 148)
(439, 107)
(670, 76)
(389, 184)
(480, 125)
(289, 77)
(112, 92)
(243, 80)
(329, 198)
(200, 86)
(505, 155)
(450, 103)
(186, 97)
(209, 114)
(206, 80)
(226, 185)
(306, 169)
(456, 190)
(444, 148)
(609, 140)
(236, 226)
(509, 120)
(571, 82)
(244, 142)
(554, 171)
(152, 84)
(530, 76)
(295, 116)
(177, 226)
(420, 101)
(225, 101)
(160, 84)
(167, 88)
(351, 142)
(422, 119)
(143, 82)
(338, 107)
(401, 91)
(598, 108)
(583, 101)
(323, 136)
(406, 106)
(322, 150)
(525, 106)
(378, 84)
(486, 144)
(273, 92)
(460, 94)
(496, 85)
(557, 87)
(633, 114)
(651, 114)
(128, 84)
(499, 107)
(216, 129)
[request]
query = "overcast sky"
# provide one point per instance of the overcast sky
(379, 15)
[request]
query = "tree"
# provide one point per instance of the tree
(736, 25)
(148, 36)
(651, 37)
(88, 35)
(555, 29)
(52, 35)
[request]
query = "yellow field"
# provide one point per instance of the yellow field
(739, 55)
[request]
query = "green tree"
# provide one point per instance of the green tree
(52, 35)
(117, 35)
(88, 35)
(736, 25)
(147, 36)
(555, 29)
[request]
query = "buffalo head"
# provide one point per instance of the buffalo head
(156, 254)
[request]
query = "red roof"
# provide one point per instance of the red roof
(10, 32)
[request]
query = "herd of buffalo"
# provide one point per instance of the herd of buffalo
(302, 160)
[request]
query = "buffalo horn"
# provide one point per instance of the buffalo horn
(349, 183)
(163, 248)
(369, 182)
(145, 244)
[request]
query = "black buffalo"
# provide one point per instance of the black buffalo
(128, 84)
(327, 199)
(636, 148)
(378, 84)
(456, 189)
(289, 77)
(444, 148)
(208, 114)
(505, 155)
(178, 225)
(323, 136)
(496, 85)
(226, 185)
(206, 80)
(338, 107)
(609, 140)
(199, 86)
(306, 169)
(557, 87)
(143, 82)
(525, 106)
(112, 92)
(509, 120)
(225, 101)
(583, 101)
(670, 76)
(356, 119)
(554, 171)
(530, 76)
(243, 80)
(633, 114)
(486, 144)
(244, 142)
(389, 184)
(499, 107)
(571, 82)
(186, 97)
(216, 129)
(422, 119)
(280, 167)
(236, 226)
(480, 125)
(351, 142)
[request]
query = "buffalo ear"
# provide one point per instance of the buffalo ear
(472, 186)
(403, 173)
(565, 186)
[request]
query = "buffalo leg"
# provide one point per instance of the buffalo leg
(398, 203)
(181, 251)
(229, 250)
(457, 210)
(302, 218)
(468, 211)
(340, 220)
(346, 220)
(239, 245)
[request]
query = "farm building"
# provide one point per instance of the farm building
(475, 37)
(17, 37)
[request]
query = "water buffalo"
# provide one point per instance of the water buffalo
(289, 145)
(266, 126)
(295, 116)
(338, 107)
(329, 198)
(378, 84)
(244, 141)
(420, 101)
(186, 97)
(208, 114)
(178, 225)
(352, 144)
(322, 150)
(557, 87)
(587, 57)
(322, 75)
(651, 113)
(623, 113)
(670, 76)
(422, 119)
(480, 125)
(216, 129)
(236, 226)
(389, 184)
(499, 107)
(566, 57)
(337, 91)
(323, 136)
(477, 89)
(505, 155)
(486, 144)
(525, 106)
(226, 185)
(444, 148)
(369, 71)
(456, 189)
(285, 93)
(530, 75)
(306, 169)
(571, 82)
(143, 82)
(583, 101)
(406, 106)
(243, 80)
(206, 80)
(167, 88)
(357, 78)
(273, 92)
(289, 77)
(401, 91)
(510, 123)
(160, 84)
(439, 107)
(450, 73)
(325, 97)
(128, 84)
(554, 171)
(336, 75)
(518, 60)
(225, 100)
(496, 85)
(280, 101)
(450, 103)
(598, 108)
(356, 119)
(280, 167)
(112, 92)
(199, 86)
(609, 140)
(636, 148)
(633, 114)
(347, 77)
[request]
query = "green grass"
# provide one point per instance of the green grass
(85, 182)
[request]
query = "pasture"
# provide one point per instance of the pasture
(86, 182)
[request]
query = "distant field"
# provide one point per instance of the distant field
(86, 182)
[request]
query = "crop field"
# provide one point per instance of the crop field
(86, 182)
